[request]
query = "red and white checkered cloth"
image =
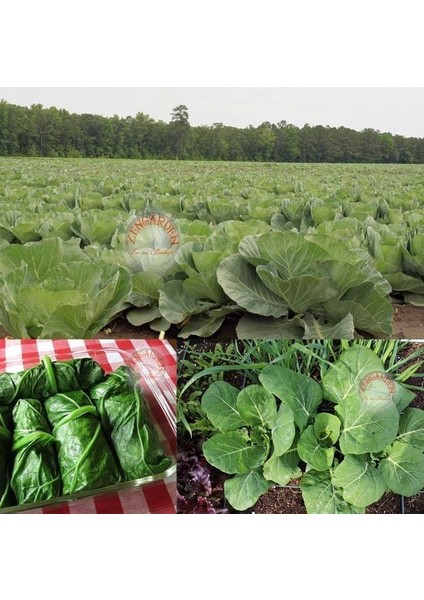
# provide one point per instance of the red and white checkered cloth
(158, 497)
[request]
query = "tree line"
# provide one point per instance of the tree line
(39, 131)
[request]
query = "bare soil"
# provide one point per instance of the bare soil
(390, 504)
(415, 505)
(279, 501)
(409, 322)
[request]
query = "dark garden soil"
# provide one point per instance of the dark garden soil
(409, 322)
(415, 505)
(288, 500)
(278, 501)
(390, 504)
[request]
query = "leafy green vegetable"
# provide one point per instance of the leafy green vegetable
(219, 403)
(284, 271)
(234, 452)
(322, 496)
(345, 460)
(121, 380)
(51, 289)
(367, 426)
(242, 491)
(86, 461)
(403, 469)
(361, 482)
(411, 428)
(282, 469)
(327, 428)
(300, 392)
(87, 372)
(313, 453)
(48, 378)
(283, 429)
(257, 407)
(35, 475)
(126, 420)
(5, 456)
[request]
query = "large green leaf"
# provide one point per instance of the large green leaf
(403, 469)
(302, 393)
(232, 452)
(327, 428)
(371, 311)
(241, 283)
(405, 283)
(40, 257)
(207, 323)
(414, 299)
(291, 252)
(411, 428)
(282, 469)
(345, 376)
(299, 293)
(219, 404)
(97, 226)
(141, 316)
(175, 304)
(243, 491)
(321, 496)
(362, 483)
(202, 283)
(367, 425)
(256, 406)
(76, 300)
(283, 429)
(268, 328)
(351, 370)
(312, 453)
(402, 396)
(145, 287)
(318, 329)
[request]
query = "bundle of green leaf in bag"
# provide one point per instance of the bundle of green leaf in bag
(85, 458)
(125, 418)
(5, 457)
(35, 475)
(48, 378)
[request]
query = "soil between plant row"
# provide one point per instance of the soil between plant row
(408, 324)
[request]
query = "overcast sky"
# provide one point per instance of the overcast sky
(398, 110)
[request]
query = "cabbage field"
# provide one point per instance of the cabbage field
(277, 250)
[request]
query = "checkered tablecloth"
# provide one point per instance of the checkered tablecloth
(158, 497)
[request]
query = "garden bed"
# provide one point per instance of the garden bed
(278, 499)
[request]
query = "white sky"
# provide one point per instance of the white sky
(398, 110)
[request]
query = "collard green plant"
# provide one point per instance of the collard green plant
(51, 289)
(346, 458)
(52, 209)
(35, 475)
(284, 273)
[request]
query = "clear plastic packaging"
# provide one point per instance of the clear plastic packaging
(159, 394)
